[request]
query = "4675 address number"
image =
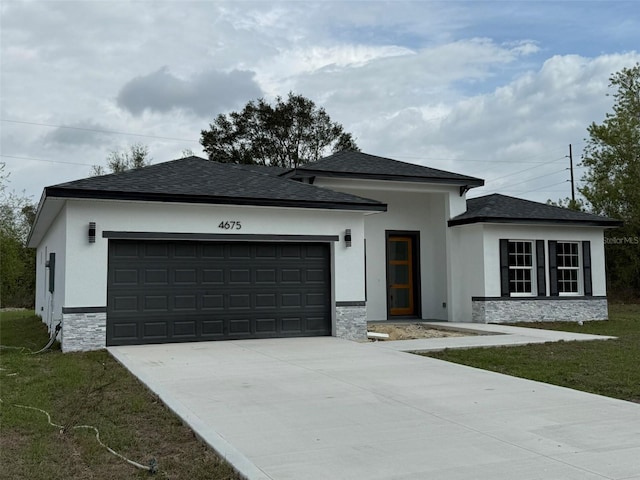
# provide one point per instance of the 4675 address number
(230, 225)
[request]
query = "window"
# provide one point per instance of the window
(568, 262)
(521, 267)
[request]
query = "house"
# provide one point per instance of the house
(192, 250)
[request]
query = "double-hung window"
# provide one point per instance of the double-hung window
(521, 267)
(568, 264)
(524, 268)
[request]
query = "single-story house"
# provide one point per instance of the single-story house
(193, 249)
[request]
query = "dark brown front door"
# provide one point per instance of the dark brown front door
(400, 268)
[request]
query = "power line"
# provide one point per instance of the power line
(435, 159)
(43, 160)
(530, 191)
(522, 171)
(542, 188)
(531, 179)
(97, 130)
(523, 160)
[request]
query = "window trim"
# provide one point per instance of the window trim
(533, 268)
(579, 269)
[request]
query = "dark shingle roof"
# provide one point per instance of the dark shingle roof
(196, 180)
(498, 208)
(265, 169)
(350, 163)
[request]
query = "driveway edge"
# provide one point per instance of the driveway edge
(224, 449)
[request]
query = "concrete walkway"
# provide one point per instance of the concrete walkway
(488, 335)
(326, 408)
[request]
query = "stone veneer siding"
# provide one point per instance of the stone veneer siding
(541, 309)
(351, 320)
(83, 329)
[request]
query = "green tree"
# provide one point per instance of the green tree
(118, 161)
(17, 262)
(577, 205)
(287, 134)
(612, 181)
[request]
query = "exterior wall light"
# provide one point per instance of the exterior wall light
(347, 237)
(92, 232)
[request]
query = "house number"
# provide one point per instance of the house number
(230, 225)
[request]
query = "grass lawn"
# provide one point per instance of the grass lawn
(86, 388)
(610, 367)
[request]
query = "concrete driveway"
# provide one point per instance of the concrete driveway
(326, 408)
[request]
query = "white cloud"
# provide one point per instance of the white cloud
(463, 86)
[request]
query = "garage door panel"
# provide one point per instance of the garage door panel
(156, 250)
(315, 276)
(315, 299)
(239, 276)
(239, 301)
(211, 276)
(213, 250)
(291, 252)
(126, 330)
(188, 291)
(266, 325)
(212, 302)
(155, 330)
(315, 251)
(124, 250)
(156, 276)
(156, 303)
(186, 302)
(124, 304)
(291, 325)
(212, 328)
(185, 276)
(316, 324)
(266, 251)
(291, 300)
(239, 251)
(184, 329)
(265, 276)
(240, 326)
(186, 250)
(123, 276)
(291, 275)
(266, 300)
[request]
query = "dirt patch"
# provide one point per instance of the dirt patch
(412, 331)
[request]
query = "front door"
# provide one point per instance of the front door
(401, 275)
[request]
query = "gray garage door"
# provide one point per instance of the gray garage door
(174, 291)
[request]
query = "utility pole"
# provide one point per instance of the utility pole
(573, 190)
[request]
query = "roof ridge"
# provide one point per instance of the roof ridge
(352, 163)
(546, 205)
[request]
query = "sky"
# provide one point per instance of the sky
(496, 90)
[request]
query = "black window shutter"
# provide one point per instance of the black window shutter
(553, 269)
(586, 268)
(540, 268)
(504, 268)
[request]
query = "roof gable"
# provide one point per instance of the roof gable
(498, 208)
(197, 180)
(353, 164)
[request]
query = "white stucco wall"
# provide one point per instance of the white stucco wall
(86, 264)
(411, 207)
(49, 306)
(467, 269)
(494, 232)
